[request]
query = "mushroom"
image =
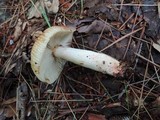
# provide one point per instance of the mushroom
(52, 49)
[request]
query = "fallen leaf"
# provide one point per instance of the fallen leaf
(157, 45)
(9, 67)
(24, 25)
(52, 6)
(159, 9)
(22, 99)
(36, 34)
(8, 111)
(34, 10)
(92, 116)
(20, 26)
(95, 27)
(65, 4)
(9, 101)
(156, 102)
(90, 3)
(104, 11)
(18, 30)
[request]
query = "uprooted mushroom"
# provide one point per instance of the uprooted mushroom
(52, 49)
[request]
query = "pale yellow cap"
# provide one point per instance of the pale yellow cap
(44, 64)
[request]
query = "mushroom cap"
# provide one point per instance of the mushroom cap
(44, 64)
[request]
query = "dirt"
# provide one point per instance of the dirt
(125, 30)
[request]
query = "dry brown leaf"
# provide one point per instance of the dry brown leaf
(34, 10)
(95, 27)
(65, 4)
(22, 100)
(20, 26)
(9, 101)
(24, 25)
(10, 68)
(156, 102)
(8, 111)
(36, 34)
(157, 45)
(90, 3)
(52, 6)
(18, 30)
(159, 9)
(114, 105)
(92, 116)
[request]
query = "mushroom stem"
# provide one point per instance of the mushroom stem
(89, 59)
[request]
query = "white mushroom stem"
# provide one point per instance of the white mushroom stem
(89, 59)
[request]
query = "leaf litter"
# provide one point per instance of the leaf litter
(126, 30)
(51, 6)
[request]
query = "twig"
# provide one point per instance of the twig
(147, 60)
(120, 39)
